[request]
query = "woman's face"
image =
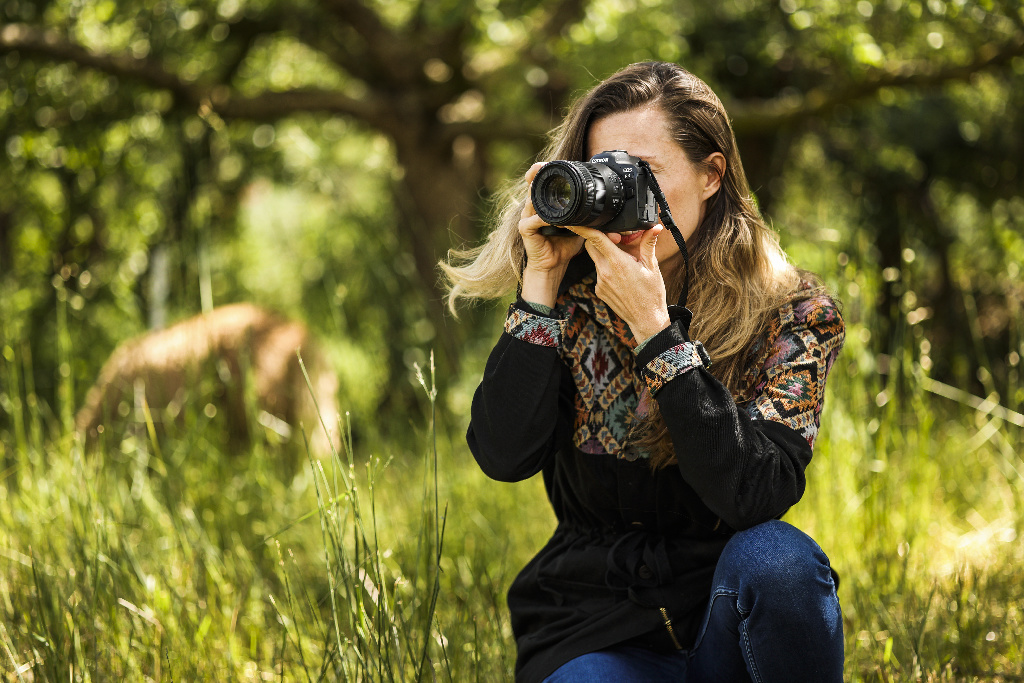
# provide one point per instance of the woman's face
(645, 133)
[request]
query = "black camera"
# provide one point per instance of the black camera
(611, 192)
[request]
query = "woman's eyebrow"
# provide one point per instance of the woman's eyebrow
(651, 159)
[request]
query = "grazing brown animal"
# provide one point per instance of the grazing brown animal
(250, 355)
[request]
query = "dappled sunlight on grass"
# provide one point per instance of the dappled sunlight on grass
(167, 556)
(921, 518)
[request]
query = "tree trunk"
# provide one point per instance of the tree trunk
(764, 156)
(438, 207)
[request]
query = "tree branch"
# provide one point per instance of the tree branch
(339, 51)
(269, 106)
(52, 45)
(767, 115)
(363, 20)
(391, 55)
(747, 116)
(219, 99)
(243, 35)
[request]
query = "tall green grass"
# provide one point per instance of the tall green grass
(162, 556)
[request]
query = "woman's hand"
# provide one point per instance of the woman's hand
(632, 286)
(546, 257)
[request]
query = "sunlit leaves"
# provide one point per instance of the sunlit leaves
(137, 166)
(866, 51)
(282, 63)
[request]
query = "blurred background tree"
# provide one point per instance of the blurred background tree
(320, 157)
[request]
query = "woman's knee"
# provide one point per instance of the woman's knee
(774, 559)
(774, 592)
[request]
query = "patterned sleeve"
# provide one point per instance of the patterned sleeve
(525, 324)
(790, 387)
(670, 364)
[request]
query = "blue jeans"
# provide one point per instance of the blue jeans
(773, 616)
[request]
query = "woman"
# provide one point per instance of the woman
(667, 476)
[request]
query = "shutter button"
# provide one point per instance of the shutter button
(645, 572)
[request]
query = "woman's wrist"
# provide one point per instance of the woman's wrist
(648, 328)
(541, 286)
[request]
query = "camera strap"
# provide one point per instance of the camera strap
(677, 312)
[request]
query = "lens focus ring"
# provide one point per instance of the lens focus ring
(564, 193)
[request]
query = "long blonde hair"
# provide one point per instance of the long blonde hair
(739, 275)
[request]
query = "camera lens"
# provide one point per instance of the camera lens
(558, 193)
(576, 193)
(563, 192)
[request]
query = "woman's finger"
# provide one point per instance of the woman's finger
(595, 255)
(595, 238)
(648, 245)
(528, 209)
(584, 232)
(602, 244)
(530, 225)
(597, 245)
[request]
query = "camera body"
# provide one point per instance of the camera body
(611, 192)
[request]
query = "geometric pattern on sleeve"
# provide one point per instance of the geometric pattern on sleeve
(535, 329)
(670, 364)
(792, 361)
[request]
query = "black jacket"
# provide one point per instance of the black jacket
(634, 551)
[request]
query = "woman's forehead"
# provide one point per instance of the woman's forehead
(641, 132)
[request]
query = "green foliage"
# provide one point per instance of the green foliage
(162, 158)
(142, 138)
